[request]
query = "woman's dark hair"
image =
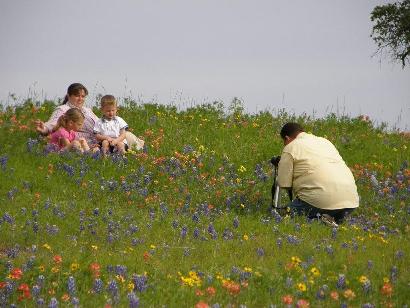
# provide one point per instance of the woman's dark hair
(74, 89)
(291, 130)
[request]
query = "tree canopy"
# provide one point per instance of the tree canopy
(391, 29)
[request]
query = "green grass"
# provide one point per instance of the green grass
(197, 174)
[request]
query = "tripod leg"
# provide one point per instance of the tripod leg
(276, 198)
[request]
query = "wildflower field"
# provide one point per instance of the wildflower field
(186, 222)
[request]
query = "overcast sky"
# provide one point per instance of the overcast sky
(304, 56)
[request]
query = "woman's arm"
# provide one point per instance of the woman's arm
(52, 121)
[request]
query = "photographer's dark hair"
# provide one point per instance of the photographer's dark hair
(291, 130)
(74, 89)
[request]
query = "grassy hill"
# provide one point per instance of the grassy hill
(186, 221)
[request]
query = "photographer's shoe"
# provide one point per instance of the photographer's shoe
(328, 220)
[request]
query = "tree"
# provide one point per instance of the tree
(391, 29)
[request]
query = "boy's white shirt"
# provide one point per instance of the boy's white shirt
(111, 127)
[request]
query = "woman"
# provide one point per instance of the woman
(75, 98)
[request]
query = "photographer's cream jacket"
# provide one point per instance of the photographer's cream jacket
(314, 169)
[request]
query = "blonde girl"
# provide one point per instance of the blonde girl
(64, 133)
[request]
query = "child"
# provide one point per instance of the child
(110, 129)
(64, 134)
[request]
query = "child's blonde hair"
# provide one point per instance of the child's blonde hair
(108, 100)
(72, 114)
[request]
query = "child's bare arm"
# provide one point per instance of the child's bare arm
(121, 137)
(101, 137)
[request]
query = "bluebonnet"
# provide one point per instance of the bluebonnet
(260, 174)
(112, 288)
(196, 232)
(292, 239)
(133, 300)
(399, 254)
(8, 218)
(98, 285)
(236, 222)
(3, 161)
(195, 217)
(12, 192)
(40, 302)
(187, 149)
(368, 305)
(35, 290)
(140, 282)
(68, 169)
(121, 270)
(393, 273)
(40, 280)
(329, 249)
(334, 233)
(367, 286)
(341, 281)
(71, 286)
(75, 301)
(260, 252)
(164, 208)
(227, 234)
(184, 231)
(53, 303)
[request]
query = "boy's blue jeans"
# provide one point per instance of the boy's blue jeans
(301, 207)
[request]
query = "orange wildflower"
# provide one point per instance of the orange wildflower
(387, 289)
(287, 299)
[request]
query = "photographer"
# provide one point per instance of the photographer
(321, 182)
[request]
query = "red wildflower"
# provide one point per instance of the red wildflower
(57, 259)
(16, 273)
(201, 304)
(95, 269)
(25, 289)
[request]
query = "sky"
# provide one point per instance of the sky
(312, 57)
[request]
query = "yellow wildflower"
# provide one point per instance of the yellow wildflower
(315, 272)
(74, 267)
(301, 286)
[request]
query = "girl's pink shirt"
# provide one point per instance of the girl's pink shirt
(62, 133)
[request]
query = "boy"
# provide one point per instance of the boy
(110, 129)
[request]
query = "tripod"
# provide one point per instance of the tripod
(275, 191)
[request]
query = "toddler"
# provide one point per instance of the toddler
(110, 129)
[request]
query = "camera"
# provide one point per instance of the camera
(275, 160)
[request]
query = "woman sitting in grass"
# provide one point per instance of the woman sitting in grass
(64, 134)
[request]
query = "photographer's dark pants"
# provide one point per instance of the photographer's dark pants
(301, 207)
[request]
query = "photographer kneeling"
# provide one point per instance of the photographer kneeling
(313, 169)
